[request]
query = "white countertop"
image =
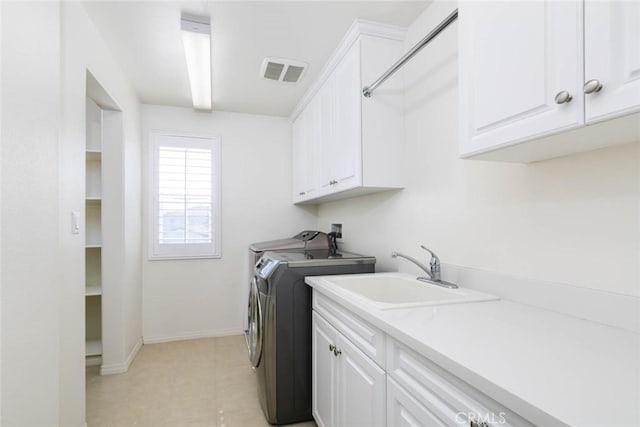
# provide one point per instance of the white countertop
(546, 366)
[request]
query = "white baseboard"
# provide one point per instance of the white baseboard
(192, 336)
(120, 368)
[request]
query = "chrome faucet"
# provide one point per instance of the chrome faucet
(433, 271)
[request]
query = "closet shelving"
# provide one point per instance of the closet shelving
(93, 233)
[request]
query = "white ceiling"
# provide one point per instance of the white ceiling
(144, 36)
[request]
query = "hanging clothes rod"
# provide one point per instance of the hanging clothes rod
(368, 90)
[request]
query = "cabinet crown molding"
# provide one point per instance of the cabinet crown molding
(359, 27)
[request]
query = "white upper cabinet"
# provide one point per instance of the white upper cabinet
(343, 160)
(305, 156)
(354, 144)
(612, 58)
(514, 58)
(523, 73)
(326, 144)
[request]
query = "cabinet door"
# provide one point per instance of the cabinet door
(404, 411)
(612, 56)
(346, 156)
(304, 155)
(514, 57)
(298, 158)
(361, 388)
(325, 116)
(324, 372)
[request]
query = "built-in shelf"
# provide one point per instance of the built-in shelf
(93, 221)
(94, 155)
(93, 202)
(93, 234)
(94, 348)
(93, 290)
(93, 178)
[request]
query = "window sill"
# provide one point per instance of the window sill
(178, 258)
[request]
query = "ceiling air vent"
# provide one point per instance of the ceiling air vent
(282, 70)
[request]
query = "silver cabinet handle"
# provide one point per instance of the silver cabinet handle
(563, 97)
(592, 86)
(301, 193)
(337, 352)
(332, 348)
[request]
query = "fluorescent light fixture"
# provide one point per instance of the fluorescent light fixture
(196, 38)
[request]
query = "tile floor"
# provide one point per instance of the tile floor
(206, 382)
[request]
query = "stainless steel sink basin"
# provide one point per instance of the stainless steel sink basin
(398, 290)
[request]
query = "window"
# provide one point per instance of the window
(185, 204)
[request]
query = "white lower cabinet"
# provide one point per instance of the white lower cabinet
(424, 394)
(361, 388)
(324, 373)
(348, 388)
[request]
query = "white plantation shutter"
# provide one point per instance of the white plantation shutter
(186, 187)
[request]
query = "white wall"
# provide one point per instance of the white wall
(193, 298)
(1, 212)
(46, 49)
(571, 220)
(30, 274)
(84, 49)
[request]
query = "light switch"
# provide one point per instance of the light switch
(75, 222)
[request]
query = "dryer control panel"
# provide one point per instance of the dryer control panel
(265, 266)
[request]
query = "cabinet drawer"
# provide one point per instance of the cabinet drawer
(448, 398)
(404, 410)
(370, 340)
